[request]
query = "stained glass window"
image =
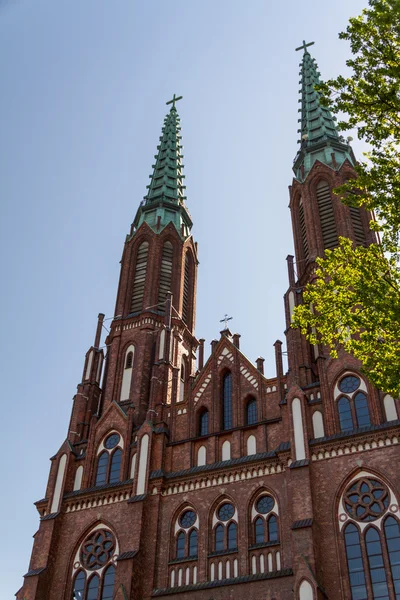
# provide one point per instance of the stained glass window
(376, 565)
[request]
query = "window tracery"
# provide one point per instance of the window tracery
(352, 402)
(109, 460)
(225, 527)
(94, 566)
(186, 534)
(264, 534)
(368, 519)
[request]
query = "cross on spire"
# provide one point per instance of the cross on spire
(225, 321)
(174, 99)
(304, 45)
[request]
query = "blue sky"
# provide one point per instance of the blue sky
(84, 86)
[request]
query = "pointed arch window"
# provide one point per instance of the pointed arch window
(165, 274)
(186, 534)
(180, 545)
(219, 537)
(203, 422)
(186, 313)
(227, 400)
(232, 536)
(251, 411)
(193, 541)
(358, 227)
(139, 280)
(129, 360)
(326, 215)
(182, 380)
(109, 460)
(225, 531)
(259, 530)
(266, 530)
(370, 567)
(352, 403)
(95, 577)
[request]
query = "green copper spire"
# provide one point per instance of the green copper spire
(165, 200)
(320, 139)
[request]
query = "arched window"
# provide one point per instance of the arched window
(102, 468)
(180, 545)
(352, 403)
(227, 401)
(225, 532)
(259, 530)
(219, 537)
(139, 280)
(266, 519)
(251, 411)
(203, 422)
(232, 536)
(95, 556)
(326, 215)
(186, 538)
(346, 420)
(109, 460)
(193, 539)
(303, 230)
(115, 468)
(186, 316)
(127, 373)
(182, 380)
(366, 501)
(165, 274)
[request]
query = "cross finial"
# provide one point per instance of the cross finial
(305, 45)
(225, 321)
(174, 99)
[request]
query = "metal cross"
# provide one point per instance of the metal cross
(305, 45)
(174, 99)
(225, 320)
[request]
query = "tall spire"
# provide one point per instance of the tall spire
(319, 137)
(165, 199)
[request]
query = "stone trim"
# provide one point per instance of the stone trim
(223, 582)
(354, 446)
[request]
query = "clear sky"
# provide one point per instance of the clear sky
(84, 86)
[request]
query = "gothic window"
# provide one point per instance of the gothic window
(370, 529)
(182, 380)
(265, 520)
(227, 400)
(203, 423)
(251, 411)
(352, 403)
(186, 534)
(225, 531)
(94, 570)
(129, 360)
(358, 228)
(165, 274)
(186, 291)
(326, 215)
(109, 460)
(139, 279)
(303, 230)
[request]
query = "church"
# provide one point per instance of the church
(212, 480)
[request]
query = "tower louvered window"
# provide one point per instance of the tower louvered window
(165, 274)
(303, 230)
(326, 215)
(140, 277)
(358, 228)
(185, 303)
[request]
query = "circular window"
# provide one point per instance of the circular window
(349, 384)
(265, 504)
(187, 519)
(112, 441)
(226, 512)
(97, 549)
(366, 500)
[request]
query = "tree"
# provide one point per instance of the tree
(354, 300)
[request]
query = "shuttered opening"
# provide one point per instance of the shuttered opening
(358, 228)
(185, 304)
(303, 230)
(326, 215)
(165, 274)
(140, 277)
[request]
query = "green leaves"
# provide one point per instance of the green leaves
(355, 296)
(354, 303)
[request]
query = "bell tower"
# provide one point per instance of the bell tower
(155, 307)
(324, 161)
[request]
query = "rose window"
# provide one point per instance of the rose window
(366, 500)
(226, 512)
(188, 518)
(265, 504)
(97, 549)
(349, 384)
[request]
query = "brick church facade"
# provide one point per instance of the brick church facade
(187, 479)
